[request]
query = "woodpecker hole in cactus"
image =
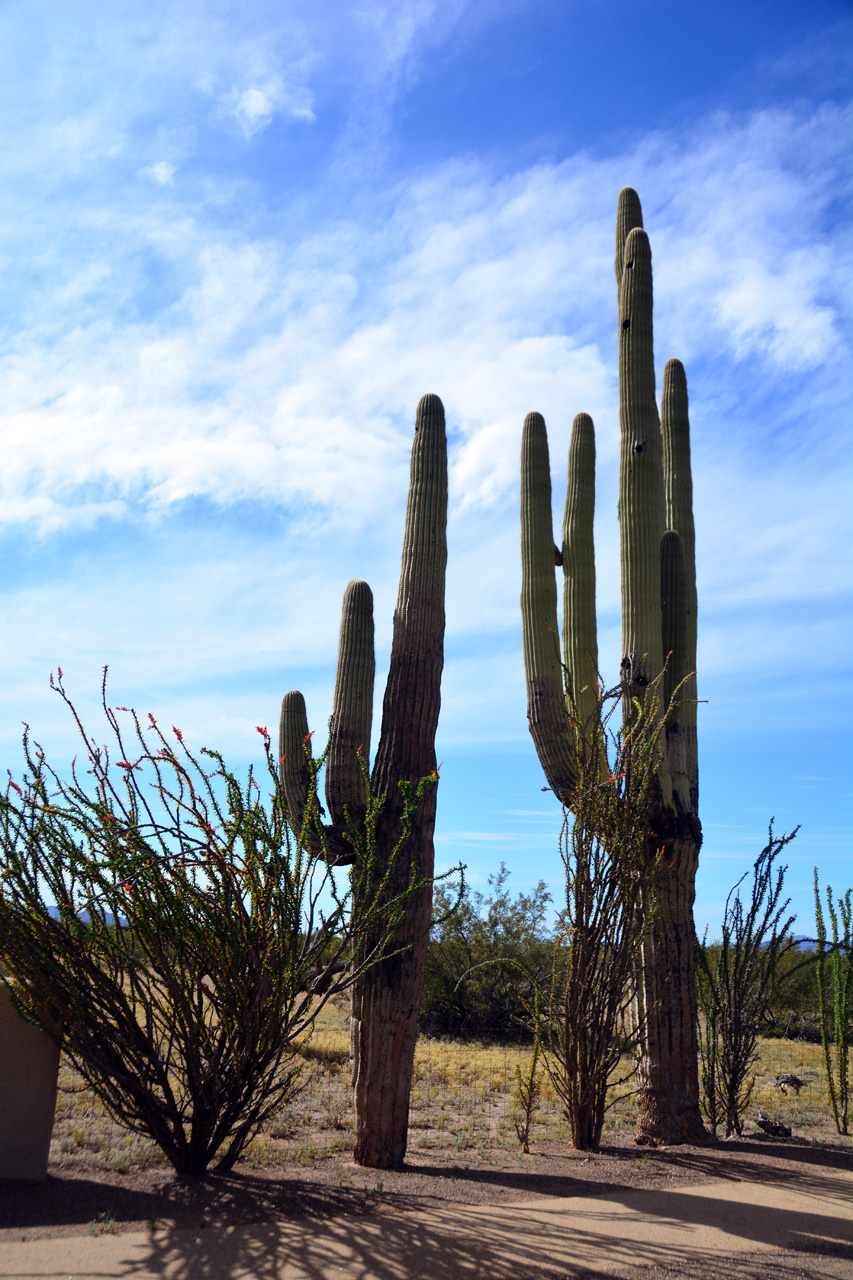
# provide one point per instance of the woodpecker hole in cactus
(626, 324)
(629, 265)
(640, 448)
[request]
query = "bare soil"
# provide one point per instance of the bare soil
(77, 1200)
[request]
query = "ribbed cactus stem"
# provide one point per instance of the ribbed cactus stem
(673, 603)
(673, 591)
(546, 707)
(641, 506)
(293, 741)
(678, 485)
(413, 692)
(580, 633)
(629, 215)
(352, 708)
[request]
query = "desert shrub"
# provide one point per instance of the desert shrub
(527, 1096)
(736, 982)
(177, 942)
(793, 1010)
(589, 1011)
(834, 977)
(486, 955)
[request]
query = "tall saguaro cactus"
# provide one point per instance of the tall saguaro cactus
(387, 999)
(658, 625)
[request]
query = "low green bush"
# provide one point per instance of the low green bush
(486, 955)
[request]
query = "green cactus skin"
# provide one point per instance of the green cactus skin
(387, 999)
(678, 485)
(352, 708)
(580, 634)
(546, 708)
(352, 716)
(675, 627)
(641, 505)
(294, 750)
(629, 215)
(293, 743)
(658, 615)
(412, 694)
(673, 603)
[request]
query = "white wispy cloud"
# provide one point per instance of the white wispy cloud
(253, 109)
(161, 172)
(497, 296)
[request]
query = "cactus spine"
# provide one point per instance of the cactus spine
(658, 616)
(386, 1000)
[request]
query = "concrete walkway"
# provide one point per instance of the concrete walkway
(619, 1232)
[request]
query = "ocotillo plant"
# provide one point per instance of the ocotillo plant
(658, 621)
(835, 1025)
(385, 1007)
(192, 943)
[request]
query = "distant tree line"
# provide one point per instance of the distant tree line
(486, 958)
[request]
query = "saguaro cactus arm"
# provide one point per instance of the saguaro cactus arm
(673, 599)
(352, 709)
(678, 483)
(346, 792)
(294, 748)
(673, 591)
(548, 718)
(580, 634)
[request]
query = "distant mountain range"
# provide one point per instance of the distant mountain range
(85, 917)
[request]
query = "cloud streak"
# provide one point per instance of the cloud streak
(275, 368)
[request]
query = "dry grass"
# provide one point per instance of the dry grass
(462, 1100)
(85, 1136)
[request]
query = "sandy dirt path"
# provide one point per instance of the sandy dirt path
(632, 1232)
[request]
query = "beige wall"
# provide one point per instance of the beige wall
(29, 1065)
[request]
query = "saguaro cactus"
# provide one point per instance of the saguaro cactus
(386, 1001)
(658, 620)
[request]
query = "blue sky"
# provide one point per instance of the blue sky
(238, 243)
